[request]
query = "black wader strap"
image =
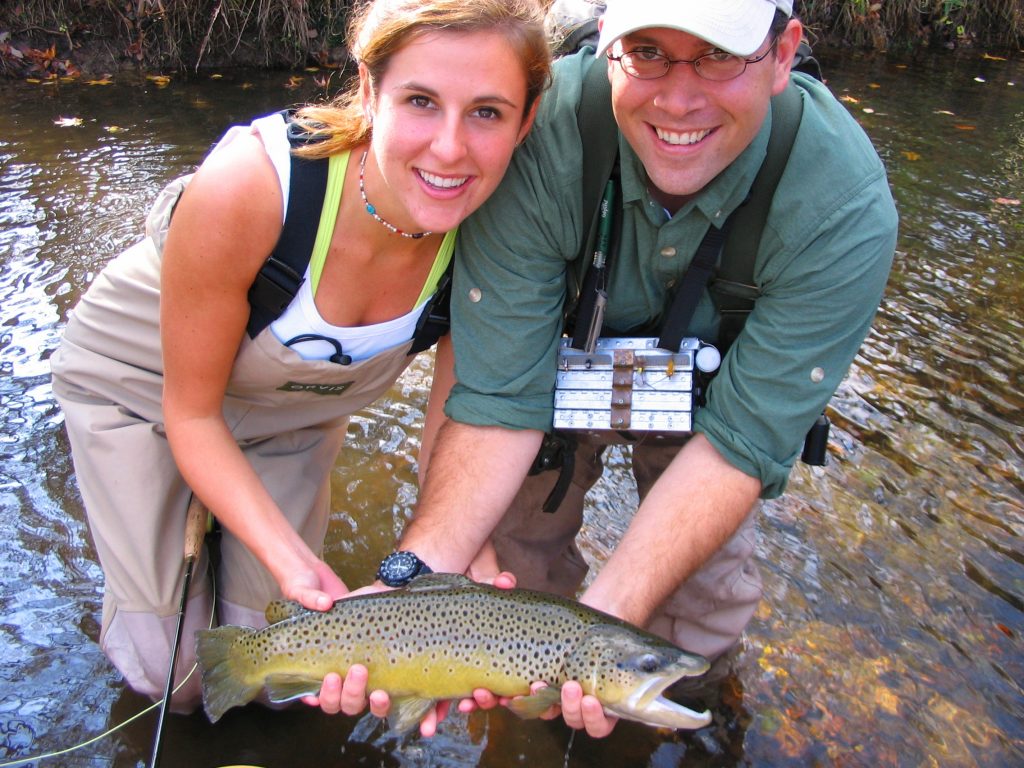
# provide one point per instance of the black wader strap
(690, 288)
(557, 495)
(733, 288)
(557, 451)
(282, 273)
(436, 317)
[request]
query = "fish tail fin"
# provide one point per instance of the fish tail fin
(226, 679)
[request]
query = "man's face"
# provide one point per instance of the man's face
(687, 130)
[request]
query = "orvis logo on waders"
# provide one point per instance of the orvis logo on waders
(317, 389)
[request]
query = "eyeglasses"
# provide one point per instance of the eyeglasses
(717, 66)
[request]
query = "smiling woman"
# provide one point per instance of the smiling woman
(223, 353)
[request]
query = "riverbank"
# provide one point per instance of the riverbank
(50, 39)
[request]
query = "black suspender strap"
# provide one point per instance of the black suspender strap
(436, 317)
(732, 289)
(740, 238)
(692, 284)
(282, 273)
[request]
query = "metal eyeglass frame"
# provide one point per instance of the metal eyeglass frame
(695, 62)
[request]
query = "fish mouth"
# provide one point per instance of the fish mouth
(647, 705)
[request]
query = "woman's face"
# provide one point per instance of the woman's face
(447, 114)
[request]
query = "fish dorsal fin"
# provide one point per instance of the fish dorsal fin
(279, 610)
(431, 581)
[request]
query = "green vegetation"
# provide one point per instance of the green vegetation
(49, 38)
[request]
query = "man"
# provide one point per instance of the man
(691, 83)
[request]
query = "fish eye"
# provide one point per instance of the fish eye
(647, 663)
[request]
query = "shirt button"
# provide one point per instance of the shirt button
(668, 251)
(475, 294)
(671, 283)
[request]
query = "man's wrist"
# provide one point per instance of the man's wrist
(401, 567)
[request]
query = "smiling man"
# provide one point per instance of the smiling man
(692, 83)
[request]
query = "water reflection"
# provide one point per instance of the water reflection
(891, 633)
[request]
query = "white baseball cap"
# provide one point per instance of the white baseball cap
(736, 26)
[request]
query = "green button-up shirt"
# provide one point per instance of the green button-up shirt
(823, 261)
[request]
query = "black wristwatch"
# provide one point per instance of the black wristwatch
(399, 568)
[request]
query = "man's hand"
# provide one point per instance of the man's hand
(349, 695)
(585, 712)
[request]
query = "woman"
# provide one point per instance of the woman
(164, 390)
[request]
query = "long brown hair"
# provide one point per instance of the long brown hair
(379, 29)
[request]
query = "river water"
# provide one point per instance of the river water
(892, 633)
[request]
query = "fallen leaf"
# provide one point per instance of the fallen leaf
(1007, 201)
(942, 112)
(964, 127)
(874, 85)
(910, 155)
(849, 99)
(979, 79)
(159, 80)
(216, 76)
(293, 82)
(887, 701)
(988, 57)
(68, 122)
(105, 80)
(114, 129)
(869, 111)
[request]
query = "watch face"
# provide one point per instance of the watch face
(399, 568)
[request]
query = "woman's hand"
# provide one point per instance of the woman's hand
(315, 587)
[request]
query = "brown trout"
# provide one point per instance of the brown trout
(443, 636)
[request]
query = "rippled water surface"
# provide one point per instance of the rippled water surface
(891, 633)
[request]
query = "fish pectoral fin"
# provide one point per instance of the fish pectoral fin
(536, 704)
(407, 711)
(288, 687)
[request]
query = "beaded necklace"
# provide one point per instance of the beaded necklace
(373, 211)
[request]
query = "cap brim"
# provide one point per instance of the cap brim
(736, 26)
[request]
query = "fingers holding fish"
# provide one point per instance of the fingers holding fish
(484, 568)
(585, 712)
(329, 698)
(315, 586)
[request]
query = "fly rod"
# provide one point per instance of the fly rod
(195, 530)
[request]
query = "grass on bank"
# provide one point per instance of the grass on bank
(49, 37)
